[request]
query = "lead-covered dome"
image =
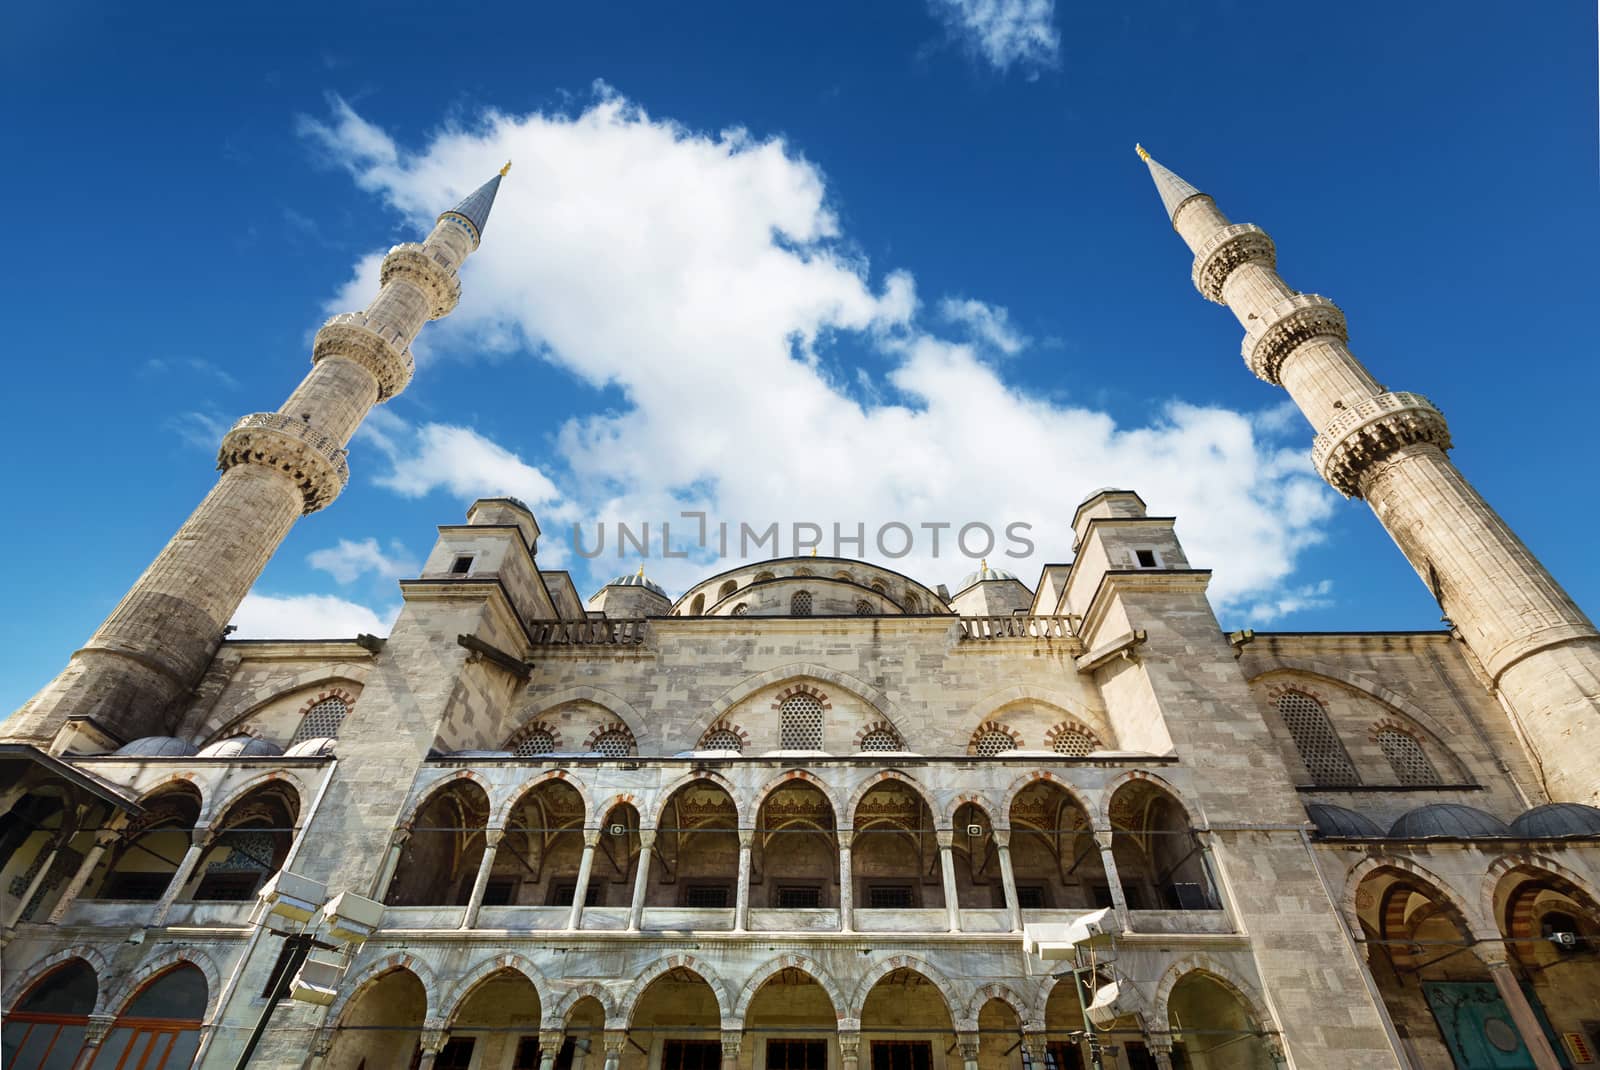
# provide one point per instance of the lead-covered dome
(157, 747)
(1556, 820)
(983, 574)
(240, 747)
(321, 747)
(1341, 821)
(1447, 821)
(637, 579)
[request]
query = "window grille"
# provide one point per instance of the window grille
(705, 895)
(992, 741)
(535, 743)
(880, 739)
(691, 1055)
(321, 721)
(800, 604)
(890, 897)
(614, 744)
(797, 1055)
(800, 723)
(1316, 740)
(723, 739)
(1407, 758)
(1074, 744)
(863, 608)
(1030, 896)
(799, 897)
(741, 609)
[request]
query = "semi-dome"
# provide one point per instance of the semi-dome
(1341, 821)
(983, 574)
(157, 747)
(1447, 821)
(1556, 820)
(240, 747)
(321, 747)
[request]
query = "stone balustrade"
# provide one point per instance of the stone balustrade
(1011, 626)
(411, 263)
(314, 460)
(594, 632)
(383, 352)
(1225, 250)
(1371, 429)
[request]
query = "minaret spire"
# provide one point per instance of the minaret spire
(135, 671)
(1540, 651)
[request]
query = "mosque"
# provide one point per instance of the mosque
(814, 814)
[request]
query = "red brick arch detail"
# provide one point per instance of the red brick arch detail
(1275, 691)
(1393, 724)
(610, 726)
(722, 725)
(992, 726)
(530, 728)
(877, 726)
(332, 692)
(1072, 728)
(801, 689)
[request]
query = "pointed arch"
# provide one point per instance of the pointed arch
(767, 970)
(662, 967)
(1534, 865)
(219, 811)
(510, 962)
(800, 672)
(789, 776)
(1031, 1022)
(24, 980)
(992, 707)
(400, 960)
(348, 678)
(556, 1017)
(953, 1003)
(849, 819)
(160, 963)
(985, 805)
(1432, 883)
(1102, 813)
(665, 795)
(613, 703)
(423, 793)
(501, 812)
(1032, 777)
(1200, 962)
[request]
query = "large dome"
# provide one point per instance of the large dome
(240, 747)
(1556, 820)
(1447, 821)
(157, 747)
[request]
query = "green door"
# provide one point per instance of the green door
(1477, 1027)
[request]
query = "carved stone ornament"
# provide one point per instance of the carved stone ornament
(312, 459)
(1365, 433)
(411, 264)
(354, 338)
(1229, 247)
(1290, 324)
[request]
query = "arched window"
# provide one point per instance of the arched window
(800, 723)
(1074, 744)
(1315, 739)
(45, 1029)
(722, 739)
(534, 743)
(800, 604)
(162, 1024)
(863, 608)
(880, 739)
(741, 609)
(615, 743)
(1406, 757)
(322, 720)
(991, 741)
(726, 589)
(912, 604)
(698, 606)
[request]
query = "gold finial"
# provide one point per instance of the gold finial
(1143, 155)
(813, 551)
(506, 169)
(641, 572)
(983, 564)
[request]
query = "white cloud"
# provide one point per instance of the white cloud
(988, 324)
(308, 616)
(1294, 600)
(349, 560)
(1005, 32)
(202, 430)
(703, 276)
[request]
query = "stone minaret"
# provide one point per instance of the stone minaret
(276, 466)
(1539, 650)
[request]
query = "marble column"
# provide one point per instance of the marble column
(1037, 1048)
(847, 896)
(968, 1043)
(591, 840)
(1104, 839)
(432, 1043)
(615, 1041)
(191, 858)
(641, 879)
(549, 1047)
(397, 846)
(741, 910)
(102, 840)
(947, 871)
(93, 1036)
(731, 1041)
(491, 845)
(1008, 878)
(849, 1049)
(1161, 1051)
(1494, 955)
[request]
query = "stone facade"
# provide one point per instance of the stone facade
(814, 812)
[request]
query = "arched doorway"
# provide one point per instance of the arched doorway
(1158, 855)
(895, 856)
(696, 860)
(151, 850)
(1212, 1027)
(496, 1025)
(382, 1025)
(1000, 1038)
(441, 857)
(1053, 852)
(796, 860)
(45, 1030)
(584, 1036)
(977, 859)
(248, 846)
(790, 1024)
(1551, 926)
(906, 1025)
(677, 1021)
(159, 1029)
(537, 861)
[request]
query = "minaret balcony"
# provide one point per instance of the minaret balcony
(432, 275)
(383, 352)
(1371, 429)
(1227, 249)
(315, 461)
(1290, 324)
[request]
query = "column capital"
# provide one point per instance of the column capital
(849, 1042)
(550, 1041)
(1492, 952)
(968, 1043)
(493, 835)
(433, 1040)
(615, 1041)
(747, 839)
(647, 839)
(946, 838)
(107, 836)
(1103, 838)
(99, 1025)
(1002, 838)
(732, 1040)
(591, 838)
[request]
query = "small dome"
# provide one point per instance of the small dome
(157, 747)
(1556, 820)
(321, 747)
(637, 579)
(984, 574)
(240, 747)
(1447, 821)
(1338, 821)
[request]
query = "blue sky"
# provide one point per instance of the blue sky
(927, 280)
